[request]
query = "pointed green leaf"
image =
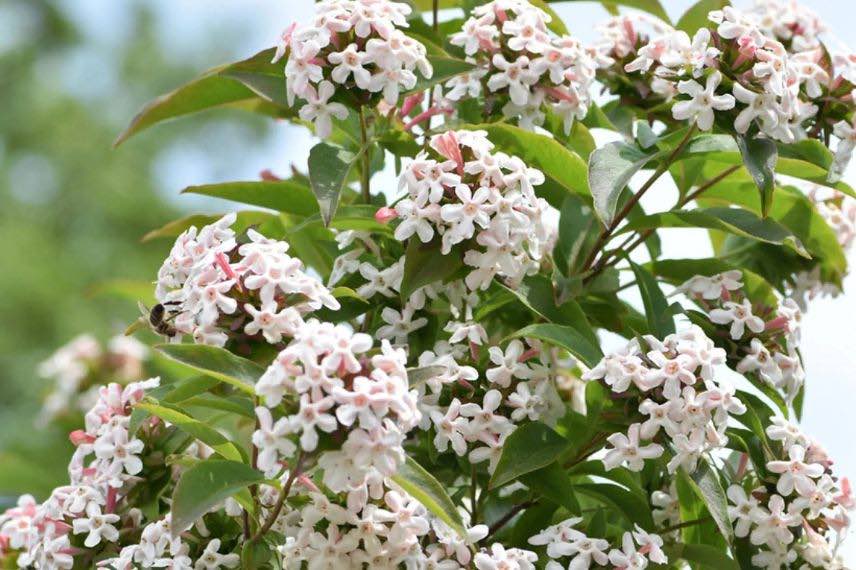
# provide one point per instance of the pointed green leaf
(216, 362)
(424, 264)
(710, 490)
(244, 220)
(530, 447)
(696, 16)
(760, 156)
(282, 195)
(212, 89)
(205, 485)
(204, 433)
(735, 221)
(660, 319)
(329, 167)
(423, 487)
(563, 337)
(610, 168)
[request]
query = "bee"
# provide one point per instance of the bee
(157, 318)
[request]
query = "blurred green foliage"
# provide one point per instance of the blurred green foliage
(73, 211)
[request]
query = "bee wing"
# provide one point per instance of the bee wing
(135, 326)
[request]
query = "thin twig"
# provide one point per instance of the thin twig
(280, 501)
(607, 232)
(495, 527)
(366, 158)
(685, 524)
(609, 258)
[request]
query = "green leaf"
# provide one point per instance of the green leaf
(696, 16)
(424, 265)
(212, 89)
(702, 556)
(537, 294)
(735, 221)
(244, 220)
(423, 487)
(204, 433)
(329, 167)
(553, 483)
(610, 168)
(660, 319)
(578, 232)
(530, 447)
(709, 488)
(283, 195)
(564, 171)
(216, 362)
(206, 484)
(635, 509)
(564, 337)
(759, 157)
(651, 6)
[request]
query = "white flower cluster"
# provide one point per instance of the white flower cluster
(160, 548)
(479, 197)
(356, 44)
(87, 505)
(839, 211)
(809, 515)
(338, 387)
(773, 86)
(769, 350)
(75, 367)
(382, 534)
(580, 552)
(210, 286)
(520, 390)
(510, 42)
(682, 398)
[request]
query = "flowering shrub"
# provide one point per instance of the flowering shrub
(421, 378)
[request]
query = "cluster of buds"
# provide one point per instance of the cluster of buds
(485, 200)
(685, 405)
(522, 66)
(40, 534)
(767, 73)
(768, 349)
(802, 513)
(215, 290)
(357, 45)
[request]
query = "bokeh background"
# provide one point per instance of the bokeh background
(72, 210)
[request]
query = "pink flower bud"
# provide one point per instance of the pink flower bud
(268, 176)
(385, 215)
(78, 437)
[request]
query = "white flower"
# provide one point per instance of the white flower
(399, 324)
(712, 287)
(758, 106)
(508, 365)
(350, 62)
(98, 526)
(743, 511)
(211, 559)
(500, 558)
(773, 524)
(320, 110)
(516, 76)
(704, 101)
(271, 439)
(450, 428)
(119, 450)
(626, 449)
(627, 558)
(795, 474)
(740, 316)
